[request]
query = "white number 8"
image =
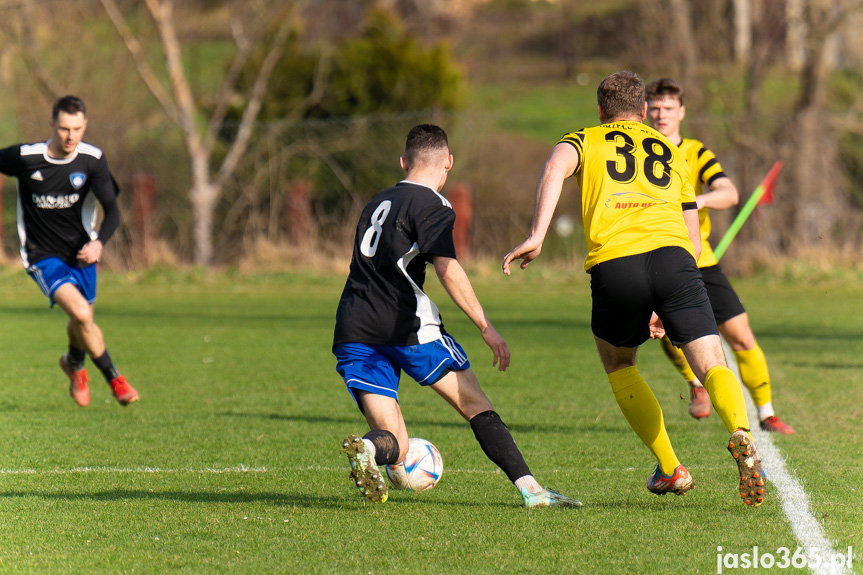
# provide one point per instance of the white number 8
(369, 245)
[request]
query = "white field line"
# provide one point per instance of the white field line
(795, 502)
(75, 470)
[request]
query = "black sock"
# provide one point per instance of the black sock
(498, 444)
(386, 446)
(76, 357)
(106, 366)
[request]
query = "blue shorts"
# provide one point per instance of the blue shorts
(377, 368)
(51, 273)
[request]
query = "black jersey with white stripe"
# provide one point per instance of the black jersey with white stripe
(57, 200)
(383, 301)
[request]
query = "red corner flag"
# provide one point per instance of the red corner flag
(769, 181)
(767, 184)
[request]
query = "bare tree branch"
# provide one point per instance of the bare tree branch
(244, 49)
(250, 114)
(144, 69)
(163, 13)
(44, 80)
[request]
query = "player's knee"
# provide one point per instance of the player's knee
(741, 342)
(81, 315)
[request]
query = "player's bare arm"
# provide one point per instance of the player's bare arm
(694, 230)
(722, 195)
(454, 279)
(561, 164)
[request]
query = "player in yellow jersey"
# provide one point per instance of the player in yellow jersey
(641, 226)
(665, 111)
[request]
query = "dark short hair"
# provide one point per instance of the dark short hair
(621, 93)
(664, 88)
(70, 105)
(425, 138)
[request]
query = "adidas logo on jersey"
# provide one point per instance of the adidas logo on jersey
(37, 175)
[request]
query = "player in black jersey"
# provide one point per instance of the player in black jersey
(386, 324)
(60, 183)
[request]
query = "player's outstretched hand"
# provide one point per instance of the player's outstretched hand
(657, 330)
(498, 347)
(527, 251)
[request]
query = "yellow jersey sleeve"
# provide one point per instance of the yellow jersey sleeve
(703, 168)
(633, 183)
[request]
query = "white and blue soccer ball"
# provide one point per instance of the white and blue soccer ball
(421, 469)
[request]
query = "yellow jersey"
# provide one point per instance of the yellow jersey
(703, 168)
(634, 184)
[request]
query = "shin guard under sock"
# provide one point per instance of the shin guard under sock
(106, 366)
(644, 415)
(498, 444)
(754, 375)
(386, 446)
(727, 398)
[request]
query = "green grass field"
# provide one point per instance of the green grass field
(230, 461)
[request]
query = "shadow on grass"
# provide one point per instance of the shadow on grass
(209, 313)
(816, 333)
(825, 365)
(280, 499)
(354, 423)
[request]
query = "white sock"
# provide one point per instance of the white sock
(370, 448)
(529, 483)
(765, 411)
(696, 383)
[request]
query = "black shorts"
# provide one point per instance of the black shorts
(627, 290)
(723, 299)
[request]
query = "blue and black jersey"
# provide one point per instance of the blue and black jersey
(383, 302)
(58, 200)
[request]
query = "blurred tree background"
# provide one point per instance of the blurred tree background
(250, 132)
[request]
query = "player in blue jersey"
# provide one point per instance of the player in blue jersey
(60, 183)
(386, 324)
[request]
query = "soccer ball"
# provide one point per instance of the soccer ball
(421, 469)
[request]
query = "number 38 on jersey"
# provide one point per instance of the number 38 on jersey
(656, 166)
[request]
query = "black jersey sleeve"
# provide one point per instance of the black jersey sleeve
(434, 232)
(10, 160)
(106, 189)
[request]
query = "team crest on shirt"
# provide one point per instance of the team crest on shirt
(77, 179)
(626, 200)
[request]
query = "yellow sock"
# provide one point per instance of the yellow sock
(677, 358)
(727, 398)
(644, 415)
(753, 372)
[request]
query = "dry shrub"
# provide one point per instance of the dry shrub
(264, 255)
(503, 172)
(809, 264)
